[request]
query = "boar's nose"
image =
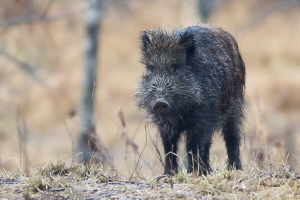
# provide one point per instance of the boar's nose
(161, 107)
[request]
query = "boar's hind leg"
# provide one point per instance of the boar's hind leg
(170, 144)
(198, 154)
(232, 137)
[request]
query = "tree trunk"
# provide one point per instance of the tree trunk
(205, 8)
(87, 126)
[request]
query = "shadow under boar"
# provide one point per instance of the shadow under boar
(193, 86)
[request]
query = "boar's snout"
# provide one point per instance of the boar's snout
(161, 107)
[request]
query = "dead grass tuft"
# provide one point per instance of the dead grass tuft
(94, 181)
(53, 169)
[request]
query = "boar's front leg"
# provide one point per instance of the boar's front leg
(198, 146)
(170, 143)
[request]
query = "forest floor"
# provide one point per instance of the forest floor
(57, 181)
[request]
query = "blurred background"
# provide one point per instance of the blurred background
(42, 67)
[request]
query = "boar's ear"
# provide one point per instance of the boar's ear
(145, 39)
(187, 40)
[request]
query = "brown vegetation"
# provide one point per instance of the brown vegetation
(53, 48)
(58, 181)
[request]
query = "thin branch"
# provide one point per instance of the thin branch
(139, 157)
(72, 142)
(157, 151)
(36, 18)
(22, 138)
(260, 18)
(99, 152)
(47, 7)
(129, 141)
(25, 67)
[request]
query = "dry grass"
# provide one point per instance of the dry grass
(57, 181)
(54, 49)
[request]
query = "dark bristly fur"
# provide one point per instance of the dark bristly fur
(197, 74)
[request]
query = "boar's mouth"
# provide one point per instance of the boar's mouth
(161, 106)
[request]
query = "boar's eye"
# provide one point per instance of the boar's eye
(175, 68)
(150, 68)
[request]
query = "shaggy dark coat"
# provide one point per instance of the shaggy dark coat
(193, 86)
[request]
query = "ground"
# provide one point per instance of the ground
(57, 181)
